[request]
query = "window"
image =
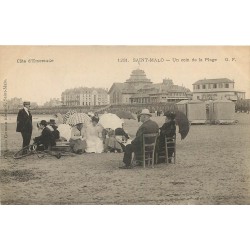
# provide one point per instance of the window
(198, 86)
(203, 86)
(226, 85)
(198, 98)
(215, 86)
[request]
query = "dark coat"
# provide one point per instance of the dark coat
(24, 121)
(168, 130)
(147, 127)
(46, 138)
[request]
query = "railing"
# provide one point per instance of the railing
(134, 108)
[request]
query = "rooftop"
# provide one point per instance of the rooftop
(217, 80)
(81, 89)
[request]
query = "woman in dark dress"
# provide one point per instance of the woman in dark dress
(168, 130)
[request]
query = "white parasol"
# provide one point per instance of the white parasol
(65, 131)
(110, 121)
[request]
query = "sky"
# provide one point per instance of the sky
(101, 66)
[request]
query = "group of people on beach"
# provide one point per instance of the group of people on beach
(91, 137)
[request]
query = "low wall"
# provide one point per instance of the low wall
(134, 108)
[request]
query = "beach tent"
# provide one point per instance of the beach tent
(182, 106)
(222, 112)
(195, 110)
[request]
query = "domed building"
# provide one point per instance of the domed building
(138, 79)
(139, 89)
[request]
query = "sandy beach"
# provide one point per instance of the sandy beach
(213, 167)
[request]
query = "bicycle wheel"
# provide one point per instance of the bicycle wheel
(23, 152)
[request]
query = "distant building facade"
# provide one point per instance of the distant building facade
(53, 102)
(15, 104)
(85, 97)
(216, 89)
(139, 89)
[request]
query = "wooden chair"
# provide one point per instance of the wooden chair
(163, 154)
(148, 150)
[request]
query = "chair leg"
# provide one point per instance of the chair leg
(144, 160)
(166, 159)
(174, 152)
(156, 158)
(153, 159)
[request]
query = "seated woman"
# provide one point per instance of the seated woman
(94, 137)
(46, 139)
(122, 137)
(78, 141)
(110, 142)
(168, 130)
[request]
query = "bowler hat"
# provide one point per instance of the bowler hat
(43, 122)
(145, 112)
(52, 122)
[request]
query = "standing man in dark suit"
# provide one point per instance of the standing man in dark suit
(148, 126)
(24, 123)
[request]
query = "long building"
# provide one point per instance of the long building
(139, 89)
(216, 89)
(84, 96)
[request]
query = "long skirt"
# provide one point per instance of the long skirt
(111, 144)
(94, 145)
(78, 145)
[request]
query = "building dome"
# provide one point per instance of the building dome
(138, 76)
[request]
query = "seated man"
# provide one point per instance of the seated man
(54, 128)
(46, 139)
(148, 126)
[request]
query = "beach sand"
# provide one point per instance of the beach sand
(212, 167)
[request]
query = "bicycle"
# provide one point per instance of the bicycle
(34, 149)
(28, 150)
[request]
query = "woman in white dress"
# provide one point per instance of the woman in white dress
(94, 137)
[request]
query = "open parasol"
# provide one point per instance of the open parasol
(124, 114)
(110, 121)
(65, 131)
(67, 115)
(183, 123)
(78, 118)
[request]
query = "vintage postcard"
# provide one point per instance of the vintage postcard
(125, 125)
